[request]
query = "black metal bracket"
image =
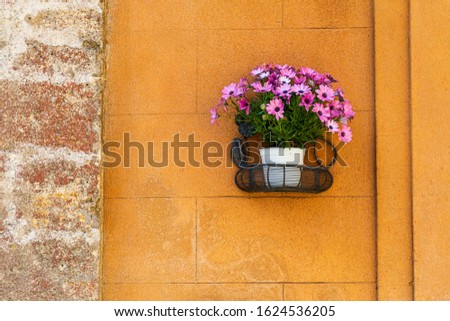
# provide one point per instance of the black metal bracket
(295, 178)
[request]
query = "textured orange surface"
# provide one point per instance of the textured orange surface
(330, 292)
(194, 292)
(150, 240)
(393, 146)
(381, 231)
(285, 240)
(431, 151)
(167, 63)
(327, 13)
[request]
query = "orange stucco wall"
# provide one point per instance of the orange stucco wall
(430, 68)
(393, 151)
(190, 234)
(411, 54)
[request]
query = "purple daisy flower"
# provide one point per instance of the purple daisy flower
(339, 93)
(281, 67)
(325, 93)
(288, 72)
(264, 75)
(345, 134)
(243, 82)
(307, 72)
(242, 87)
(214, 115)
(332, 126)
(319, 79)
(232, 90)
(257, 71)
(347, 110)
(334, 107)
(273, 78)
(284, 80)
(301, 89)
(262, 88)
(322, 112)
(244, 105)
(299, 79)
(276, 107)
(308, 100)
(284, 91)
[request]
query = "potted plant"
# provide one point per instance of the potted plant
(287, 107)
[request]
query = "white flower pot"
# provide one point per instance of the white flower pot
(279, 176)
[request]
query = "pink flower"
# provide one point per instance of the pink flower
(347, 110)
(242, 87)
(307, 72)
(319, 79)
(325, 93)
(340, 93)
(284, 91)
(281, 67)
(345, 134)
(244, 105)
(322, 112)
(307, 100)
(284, 80)
(334, 107)
(295, 88)
(243, 82)
(262, 88)
(329, 79)
(264, 75)
(299, 79)
(288, 72)
(301, 89)
(214, 115)
(257, 71)
(332, 126)
(273, 78)
(276, 107)
(232, 90)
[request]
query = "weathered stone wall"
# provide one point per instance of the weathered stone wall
(50, 99)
